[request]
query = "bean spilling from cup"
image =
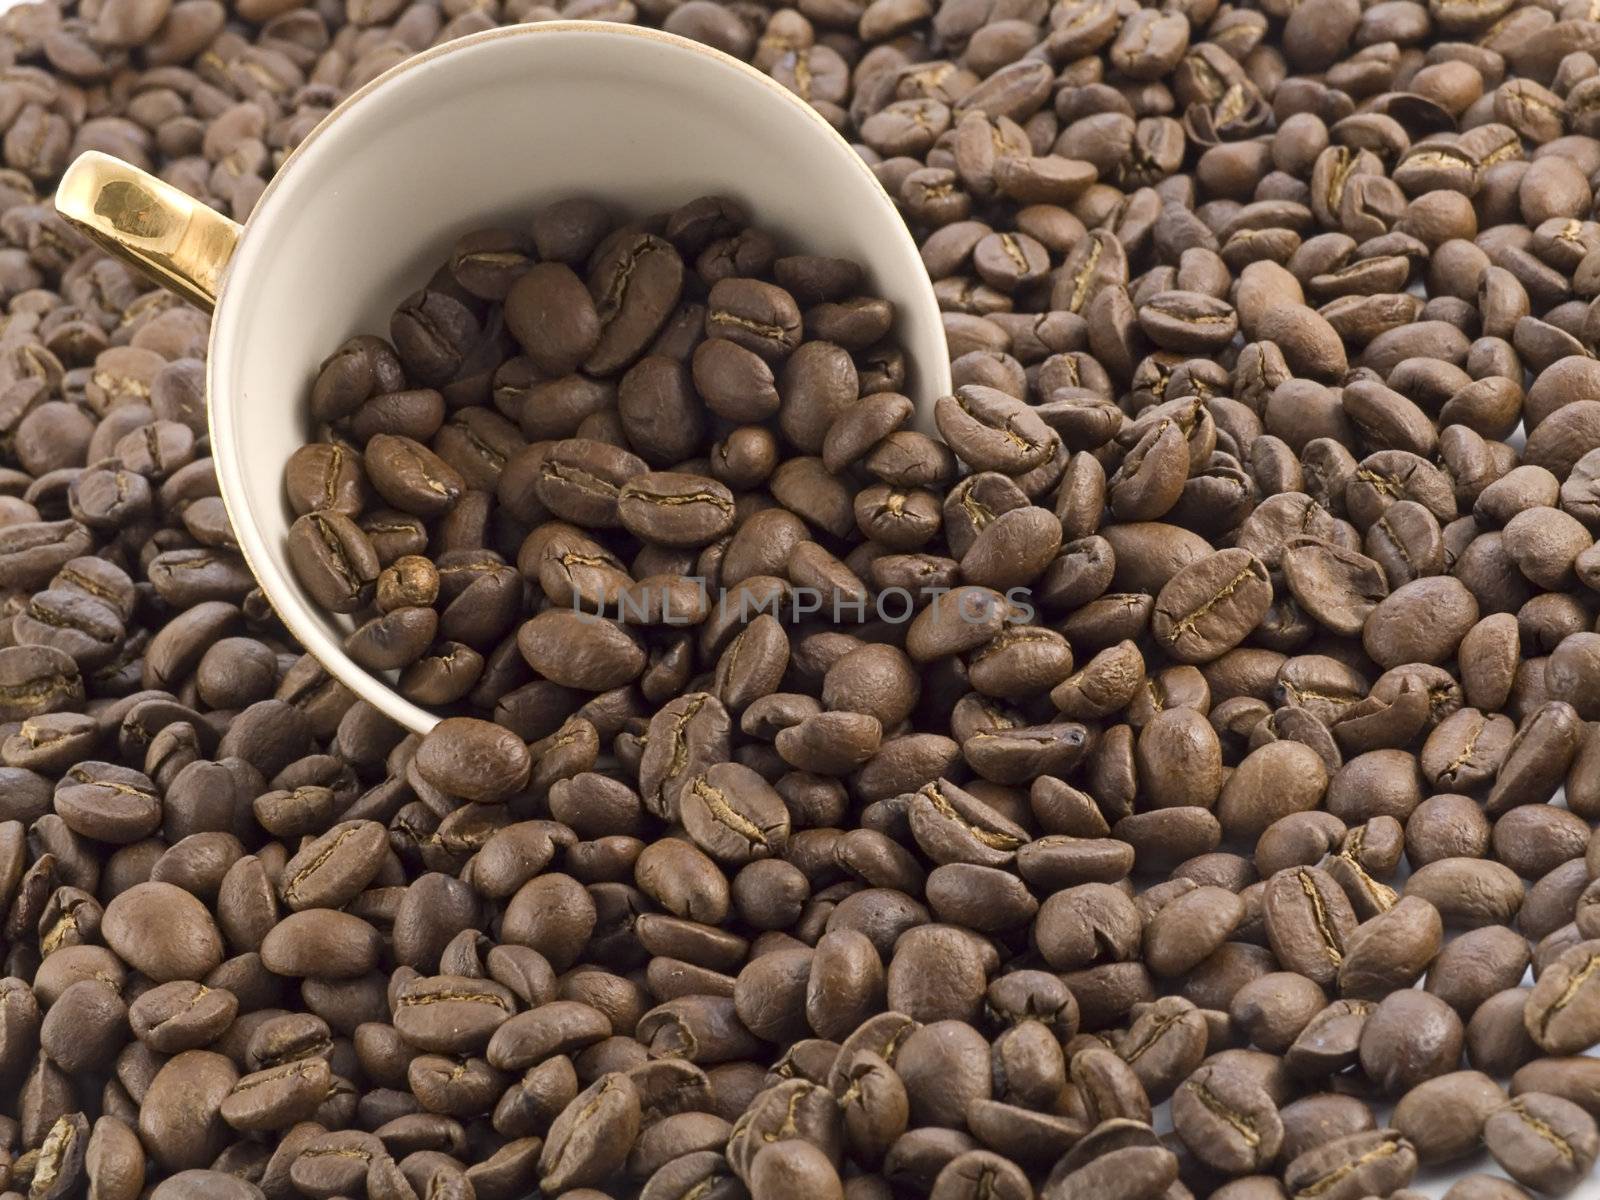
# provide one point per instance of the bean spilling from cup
(1167, 766)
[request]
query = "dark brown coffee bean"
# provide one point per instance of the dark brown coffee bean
(992, 431)
(550, 313)
(635, 281)
(1559, 1010)
(432, 333)
(1410, 1036)
(581, 480)
(1543, 1141)
(673, 509)
(473, 759)
(1228, 1120)
(1422, 621)
(580, 651)
(163, 931)
(1443, 1118)
(1375, 1161)
(1212, 605)
(334, 560)
(733, 814)
(1391, 950)
(1337, 587)
(1309, 922)
(320, 943)
(1468, 891)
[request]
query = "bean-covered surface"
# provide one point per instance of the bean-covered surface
(1224, 828)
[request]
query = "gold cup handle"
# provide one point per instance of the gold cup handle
(150, 224)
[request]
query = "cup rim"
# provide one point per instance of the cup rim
(309, 635)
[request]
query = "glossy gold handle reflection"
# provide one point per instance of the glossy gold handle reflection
(149, 223)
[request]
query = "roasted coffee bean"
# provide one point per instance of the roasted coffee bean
(761, 317)
(473, 759)
(1189, 928)
(1308, 921)
(1369, 1162)
(733, 814)
(1543, 1141)
(1211, 605)
(1391, 950)
(550, 313)
(410, 476)
(1468, 891)
(1561, 1010)
(320, 943)
(580, 651)
(325, 478)
(1273, 781)
(674, 509)
(163, 931)
(1337, 587)
(1409, 1037)
(1228, 1120)
(1275, 1008)
(994, 432)
(1443, 1118)
(334, 559)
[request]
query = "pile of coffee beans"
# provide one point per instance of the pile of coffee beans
(624, 443)
(1244, 770)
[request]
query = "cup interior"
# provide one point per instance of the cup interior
(480, 132)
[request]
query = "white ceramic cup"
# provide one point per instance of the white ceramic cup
(480, 131)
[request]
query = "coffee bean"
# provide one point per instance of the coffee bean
(108, 803)
(1308, 921)
(1542, 1141)
(1476, 966)
(1391, 950)
(581, 479)
(733, 814)
(796, 1168)
(1273, 781)
(332, 870)
(761, 317)
(1537, 757)
(1559, 1010)
(673, 509)
(1337, 587)
(1421, 621)
(163, 931)
(580, 651)
(277, 1097)
(1135, 1170)
(180, 1121)
(1375, 1161)
(1212, 605)
(1227, 1120)
(992, 431)
(1444, 1117)
(1468, 891)
(334, 559)
(1410, 1036)
(1276, 1008)
(320, 943)
(432, 332)
(550, 313)
(473, 759)
(185, 1185)
(1190, 928)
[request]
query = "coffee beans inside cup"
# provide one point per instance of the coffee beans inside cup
(1205, 740)
(573, 421)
